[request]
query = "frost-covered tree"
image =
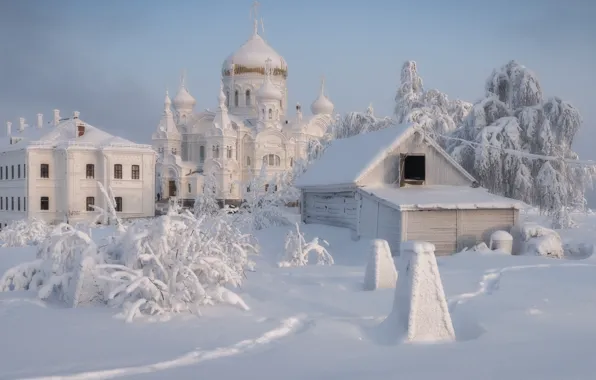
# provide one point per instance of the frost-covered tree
(511, 125)
(206, 201)
(297, 250)
(431, 109)
(354, 123)
(20, 233)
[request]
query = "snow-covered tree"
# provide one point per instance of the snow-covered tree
(507, 127)
(20, 233)
(206, 201)
(297, 250)
(354, 123)
(431, 109)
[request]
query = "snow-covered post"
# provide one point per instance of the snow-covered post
(380, 271)
(420, 310)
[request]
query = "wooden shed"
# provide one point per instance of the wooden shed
(398, 184)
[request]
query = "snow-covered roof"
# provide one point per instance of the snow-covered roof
(440, 197)
(65, 134)
(345, 161)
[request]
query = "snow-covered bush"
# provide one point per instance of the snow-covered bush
(263, 202)
(541, 241)
(297, 250)
(206, 201)
(24, 232)
(380, 271)
(176, 262)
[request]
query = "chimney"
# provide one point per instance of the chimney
(8, 128)
(39, 120)
(21, 124)
(80, 130)
(56, 117)
(76, 114)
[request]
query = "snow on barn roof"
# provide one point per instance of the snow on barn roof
(440, 197)
(346, 160)
(64, 134)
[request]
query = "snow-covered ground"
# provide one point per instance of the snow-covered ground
(516, 317)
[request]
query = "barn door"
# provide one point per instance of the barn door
(438, 227)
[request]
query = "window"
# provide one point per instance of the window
(90, 171)
(11, 203)
(413, 169)
(24, 170)
(247, 161)
(1, 203)
(215, 151)
(136, 172)
(24, 203)
(248, 99)
(236, 98)
(228, 151)
(118, 171)
(89, 203)
(291, 161)
(44, 171)
(45, 203)
(202, 153)
(118, 204)
(189, 188)
(272, 160)
(11, 171)
(1, 172)
(174, 151)
(19, 203)
(270, 114)
(18, 171)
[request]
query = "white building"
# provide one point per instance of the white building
(397, 184)
(248, 129)
(51, 172)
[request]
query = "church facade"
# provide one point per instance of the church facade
(249, 128)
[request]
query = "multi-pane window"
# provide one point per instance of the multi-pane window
(90, 171)
(44, 171)
(44, 203)
(118, 203)
(272, 160)
(89, 203)
(118, 171)
(136, 172)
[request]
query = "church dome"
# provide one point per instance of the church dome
(322, 105)
(184, 99)
(251, 56)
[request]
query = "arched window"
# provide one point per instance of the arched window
(270, 114)
(228, 151)
(215, 151)
(272, 160)
(189, 188)
(236, 98)
(248, 99)
(247, 161)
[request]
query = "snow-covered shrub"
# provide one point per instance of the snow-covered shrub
(263, 202)
(176, 262)
(24, 232)
(541, 241)
(206, 201)
(380, 271)
(296, 250)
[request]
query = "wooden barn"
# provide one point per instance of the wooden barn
(398, 184)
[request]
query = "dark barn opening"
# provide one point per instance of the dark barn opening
(413, 169)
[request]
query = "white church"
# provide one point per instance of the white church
(249, 128)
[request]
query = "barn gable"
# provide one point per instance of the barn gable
(374, 158)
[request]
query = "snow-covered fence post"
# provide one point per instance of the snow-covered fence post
(380, 271)
(420, 310)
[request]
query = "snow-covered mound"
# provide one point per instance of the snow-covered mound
(380, 271)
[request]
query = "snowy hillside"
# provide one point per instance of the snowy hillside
(515, 317)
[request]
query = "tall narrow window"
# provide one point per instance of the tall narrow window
(228, 151)
(291, 161)
(189, 188)
(24, 170)
(44, 204)
(202, 153)
(44, 171)
(11, 171)
(118, 204)
(18, 171)
(90, 171)
(247, 160)
(215, 151)
(118, 171)
(1, 172)
(236, 98)
(1, 203)
(135, 172)
(248, 99)
(270, 114)
(24, 203)
(18, 203)
(89, 203)
(12, 203)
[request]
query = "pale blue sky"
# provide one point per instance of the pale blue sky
(113, 59)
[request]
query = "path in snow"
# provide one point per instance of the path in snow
(492, 279)
(288, 326)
